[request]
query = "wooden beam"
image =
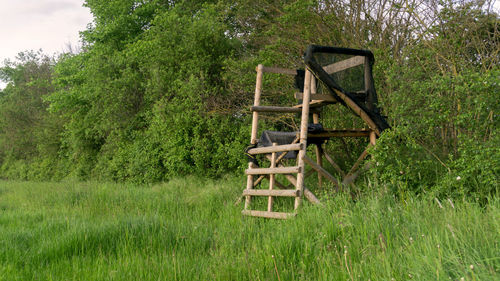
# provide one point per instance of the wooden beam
(268, 171)
(358, 161)
(271, 180)
(358, 111)
(274, 192)
(249, 185)
(255, 125)
(349, 179)
(282, 109)
(304, 122)
(323, 172)
(255, 114)
(373, 138)
(307, 193)
(270, 215)
(277, 148)
(345, 64)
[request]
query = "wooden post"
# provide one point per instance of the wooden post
(322, 170)
(255, 126)
(271, 180)
(255, 114)
(303, 136)
(373, 137)
(319, 150)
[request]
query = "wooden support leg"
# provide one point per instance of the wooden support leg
(358, 162)
(307, 193)
(355, 170)
(249, 186)
(322, 170)
(255, 126)
(271, 181)
(363, 155)
(373, 137)
(349, 179)
(303, 136)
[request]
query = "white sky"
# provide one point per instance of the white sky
(46, 24)
(40, 24)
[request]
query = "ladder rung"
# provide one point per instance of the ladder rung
(275, 109)
(276, 148)
(272, 192)
(265, 214)
(269, 171)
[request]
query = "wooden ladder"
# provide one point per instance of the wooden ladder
(275, 168)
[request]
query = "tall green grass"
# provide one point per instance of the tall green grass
(191, 229)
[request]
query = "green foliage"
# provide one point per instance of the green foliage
(28, 133)
(162, 88)
(148, 110)
(404, 164)
(475, 172)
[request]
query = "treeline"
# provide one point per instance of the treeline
(162, 88)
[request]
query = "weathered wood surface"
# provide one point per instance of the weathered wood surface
(274, 192)
(271, 180)
(268, 171)
(266, 214)
(277, 148)
(282, 109)
(323, 172)
(344, 64)
(303, 136)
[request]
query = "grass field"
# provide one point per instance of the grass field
(190, 229)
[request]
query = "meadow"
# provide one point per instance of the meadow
(191, 229)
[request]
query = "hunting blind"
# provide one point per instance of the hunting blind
(332, 77)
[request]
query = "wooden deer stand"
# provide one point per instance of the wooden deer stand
(322, 66)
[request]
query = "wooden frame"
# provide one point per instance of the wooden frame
(296, 188)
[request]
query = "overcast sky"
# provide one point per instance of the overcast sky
(49, 25)
(46, 24)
